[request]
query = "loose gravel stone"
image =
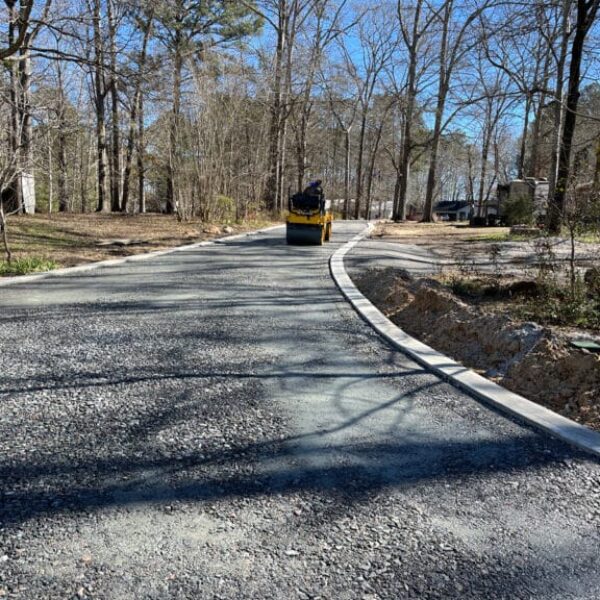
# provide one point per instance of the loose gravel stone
(219, 423)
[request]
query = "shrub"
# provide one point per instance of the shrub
(224, 208)
(23, 266)
(592, 279)
(518, 211)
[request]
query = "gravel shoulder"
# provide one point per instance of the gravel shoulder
(219, 423)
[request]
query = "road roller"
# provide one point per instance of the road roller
(309, 219)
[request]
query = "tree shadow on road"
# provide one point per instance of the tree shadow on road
(396, 458)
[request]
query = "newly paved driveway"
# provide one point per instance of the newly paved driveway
(218, 423)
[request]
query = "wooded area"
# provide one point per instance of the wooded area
(217, 109)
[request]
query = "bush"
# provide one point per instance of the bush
(467, 287)
(478, 222)
(519, 210)
(224, 208)
(23, 266)
(592, 279)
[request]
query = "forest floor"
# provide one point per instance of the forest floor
(65, 240)
(506, 314)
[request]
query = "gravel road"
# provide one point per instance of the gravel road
(219, 423)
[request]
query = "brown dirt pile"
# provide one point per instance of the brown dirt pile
(560, 377)
(524, 357)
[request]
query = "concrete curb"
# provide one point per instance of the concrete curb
(481, 388)
(9, 281)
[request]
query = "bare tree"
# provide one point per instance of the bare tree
(325, 29)
(415, 22)
(455, 41)
(99, 97)
(587, 11)
(343, 106)
(143, 22)
(188, 28)
(19, 26)
(378, 44)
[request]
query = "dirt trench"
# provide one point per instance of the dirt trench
(534, 361)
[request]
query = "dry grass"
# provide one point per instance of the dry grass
(438, 233)
(69, 239)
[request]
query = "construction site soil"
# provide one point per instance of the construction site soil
(534, 361)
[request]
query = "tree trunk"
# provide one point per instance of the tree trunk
(129, 156)
(99, 95)
(558, 101)
(359, 164)
(444, 84)
(273, 183)
(403, 177)
(15, 124)
(301, 149)
(174, 127)
(347, 174)
(7, 252)
(404, 172)
(115, 163)
(63, 198)
(536, 133)
(141, 155)
(396, 203)
(25, 119)
(435, 145)
(134, 125)
(485, 148)
(50, 168)
(523, 150)
(431, 181)
(281, 167)
(371, 171)
(586, 13)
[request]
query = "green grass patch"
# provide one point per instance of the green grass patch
(589, 237)
(23, 266)
(502, 237)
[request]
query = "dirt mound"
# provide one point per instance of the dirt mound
(565, 379)
(522, 356)
(390, 290)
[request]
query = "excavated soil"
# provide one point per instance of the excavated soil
(531, 360)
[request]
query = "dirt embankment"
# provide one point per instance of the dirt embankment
(531, 360)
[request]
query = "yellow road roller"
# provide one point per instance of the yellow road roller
(309, 219)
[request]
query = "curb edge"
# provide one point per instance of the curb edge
(448, 369)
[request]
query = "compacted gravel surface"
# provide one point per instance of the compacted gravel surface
(219, 423)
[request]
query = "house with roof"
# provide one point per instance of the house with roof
(450, 210)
